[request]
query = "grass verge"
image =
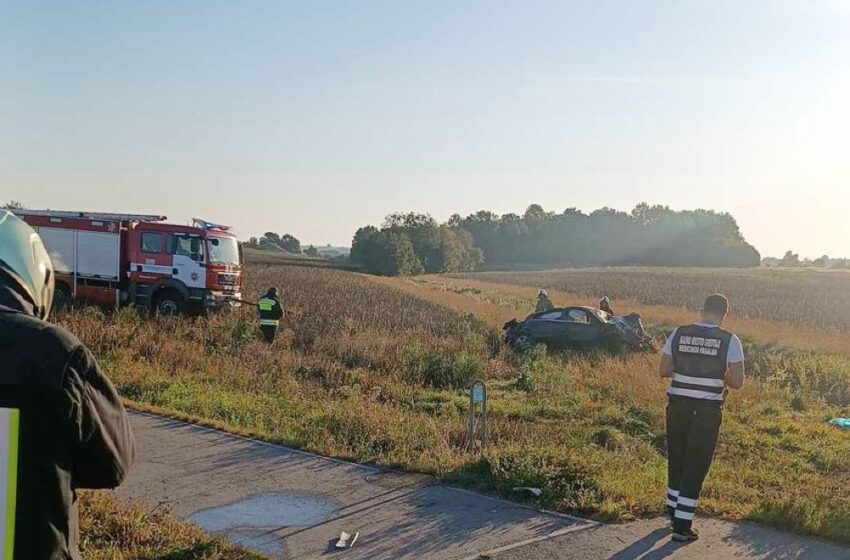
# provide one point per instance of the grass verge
(112, 530)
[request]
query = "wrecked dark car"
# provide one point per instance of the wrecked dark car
(578, 327)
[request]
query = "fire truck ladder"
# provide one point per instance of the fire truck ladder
(104, 216)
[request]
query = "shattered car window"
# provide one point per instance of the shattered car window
(552, 315)
(577, 316)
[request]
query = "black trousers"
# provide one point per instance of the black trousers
(693, 427)
(269, 332)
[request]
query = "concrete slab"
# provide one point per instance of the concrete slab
(291, 504)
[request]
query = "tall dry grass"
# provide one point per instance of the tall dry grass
(520, 299)
(808, 298)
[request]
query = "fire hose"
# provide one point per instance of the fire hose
(241, 300)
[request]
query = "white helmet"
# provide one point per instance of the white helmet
(25, 263)
(542, 293)
(605, 299)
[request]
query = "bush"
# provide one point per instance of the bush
(441, 370)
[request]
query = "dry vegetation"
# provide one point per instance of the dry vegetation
(518, 299)
(810, 298)
(374, 370)
(114, 531)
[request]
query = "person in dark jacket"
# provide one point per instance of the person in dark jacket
(271, 312)
(543, 301)
(62, 425)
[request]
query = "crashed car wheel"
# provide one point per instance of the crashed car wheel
(523, 342)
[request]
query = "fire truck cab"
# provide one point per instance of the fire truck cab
(132, 259)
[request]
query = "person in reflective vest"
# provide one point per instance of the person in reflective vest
(703, 361)
(271, 313)
(62, 425)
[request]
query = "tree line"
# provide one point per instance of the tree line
(646, 236)
(412, 244)
(793, 260)
(271, 241)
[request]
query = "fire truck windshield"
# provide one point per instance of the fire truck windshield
(223, 250)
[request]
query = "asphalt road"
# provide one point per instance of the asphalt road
(291, 504)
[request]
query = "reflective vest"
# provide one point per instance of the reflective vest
(9, 423)
(270, 311)
(699, 362)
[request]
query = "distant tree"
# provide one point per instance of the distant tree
(535, 211)
(821, 261)
(252, 243)
(387, 252)
(290, 243)
(273, 241)
(791, 259)
(311, 251)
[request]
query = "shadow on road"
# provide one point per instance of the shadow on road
(639, 548)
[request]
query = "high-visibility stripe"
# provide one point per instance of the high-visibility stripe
(690, 502)
(672, 496)
(704, 381)
(269, 322)
(694, 394)
(686, 515)
(9, 427)
(266, 304)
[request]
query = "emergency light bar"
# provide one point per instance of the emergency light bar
(209, 225)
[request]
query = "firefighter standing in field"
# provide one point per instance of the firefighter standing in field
(703, 361)
(271, 313)
(543, 301)
(62, 425)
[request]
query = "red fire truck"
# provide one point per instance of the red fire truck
(132, 259)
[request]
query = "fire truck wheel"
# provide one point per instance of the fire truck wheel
(62, 298)
(170, 303)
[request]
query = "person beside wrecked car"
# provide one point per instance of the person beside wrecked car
(543, 301)
(605, 305)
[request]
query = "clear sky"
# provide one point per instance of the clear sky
(318, 117)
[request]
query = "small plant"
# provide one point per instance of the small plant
(529, 365)
(609, 438)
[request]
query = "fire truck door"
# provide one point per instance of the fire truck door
(188, 255)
